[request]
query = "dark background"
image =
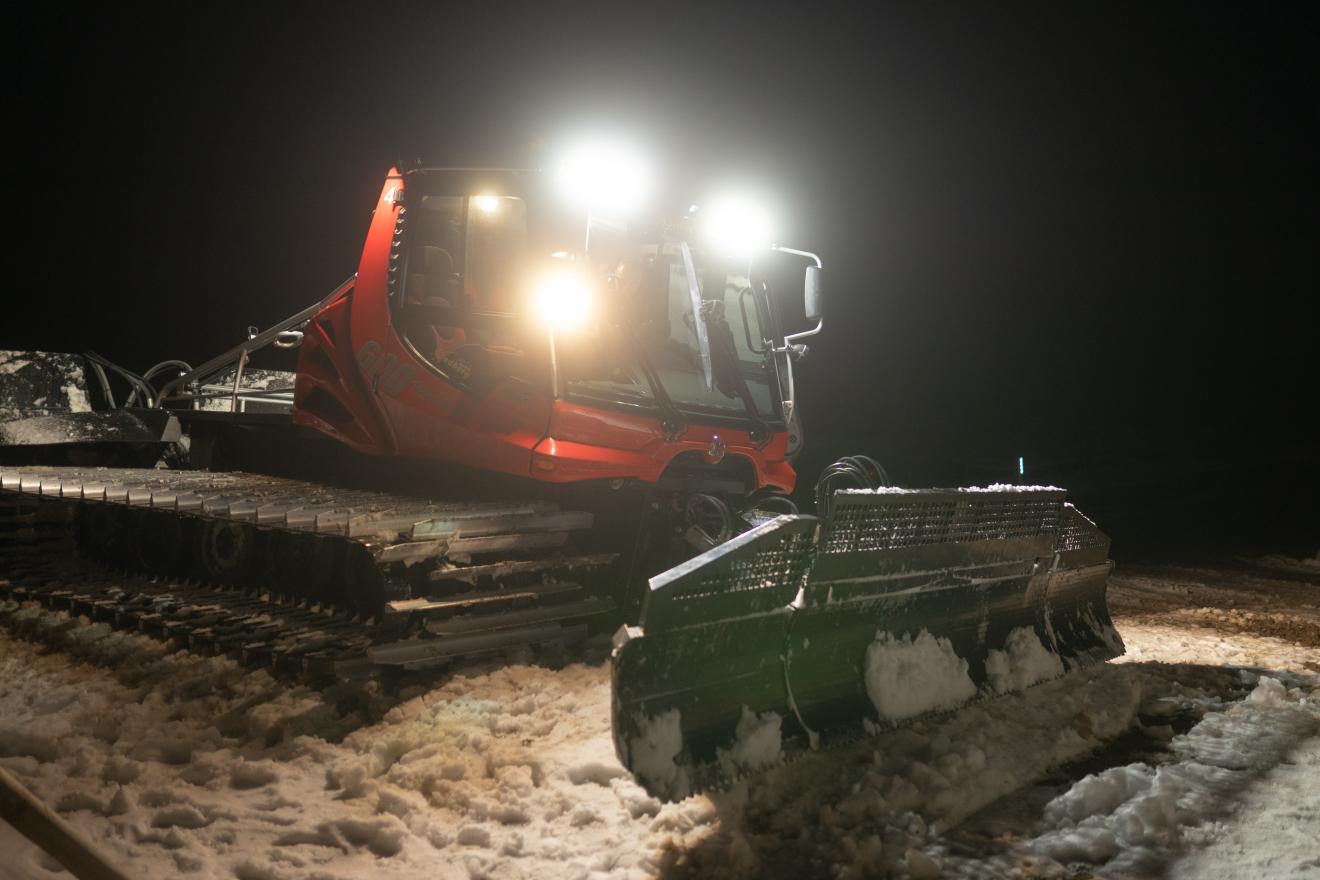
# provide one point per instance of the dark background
(1080, 233)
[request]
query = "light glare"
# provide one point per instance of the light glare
(736, 226)
(605, 177)
(563, 302)
(486, 204)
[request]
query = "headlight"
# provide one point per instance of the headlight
(605, 177)
(564, 302)
(735, 226)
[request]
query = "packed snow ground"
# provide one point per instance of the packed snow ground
(1198, 755)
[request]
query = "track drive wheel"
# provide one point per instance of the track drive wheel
(225, 551)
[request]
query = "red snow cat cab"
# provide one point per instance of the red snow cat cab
(536, 411)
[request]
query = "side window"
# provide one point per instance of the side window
(740, 311)
(436, 254)
(496, 239)
(464, 262)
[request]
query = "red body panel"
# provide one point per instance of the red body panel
(586, 443)
(360, 382)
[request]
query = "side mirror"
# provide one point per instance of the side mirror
(813, 294)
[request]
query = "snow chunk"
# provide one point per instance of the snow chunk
(121, 770)
(906, 677)
(1024, 661)
(654, 752)
(920, 865)
(598, 772)
(383, 837)
(180, 816)
(246, 775)
(398, 802)
(474, 835)
(73, 801)
(758, 742)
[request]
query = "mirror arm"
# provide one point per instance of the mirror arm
(797, 253)
(790, 339)
(794, 337)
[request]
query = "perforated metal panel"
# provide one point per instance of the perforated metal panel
(1078, 541)
(864, 521)
(1077, 532)
(760, 570)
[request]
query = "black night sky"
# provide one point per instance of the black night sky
(1082, 233)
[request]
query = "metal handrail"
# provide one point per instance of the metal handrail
(240, 352)
(272, 393)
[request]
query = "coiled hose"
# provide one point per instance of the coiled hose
(849, 472)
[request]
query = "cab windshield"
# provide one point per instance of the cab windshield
(658, 323)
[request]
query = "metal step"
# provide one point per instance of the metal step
(464, 637)
(475, 599)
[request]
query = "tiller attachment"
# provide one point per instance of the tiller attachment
(52, 413)
(897, 603)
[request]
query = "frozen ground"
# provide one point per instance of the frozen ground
(1197, 755)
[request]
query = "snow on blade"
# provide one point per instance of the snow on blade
(1023, 662)
(994, 487)
(654, 752)
(1106, 632)
(758, 742)
(1132, 818)
(1009, 487)
(78, 401)
(906, 677)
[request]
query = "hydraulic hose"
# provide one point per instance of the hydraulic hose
(849, 472)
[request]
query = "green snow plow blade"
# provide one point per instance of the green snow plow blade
(896, 604)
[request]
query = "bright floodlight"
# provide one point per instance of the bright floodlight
(735, 226)
(486, 204)
(605, 177)
(563, 301)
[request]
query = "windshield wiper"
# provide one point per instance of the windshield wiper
(671, 421)
(698, 320)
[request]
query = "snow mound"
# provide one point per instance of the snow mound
(907, 676)
(1023, 662)
(1132, 818)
